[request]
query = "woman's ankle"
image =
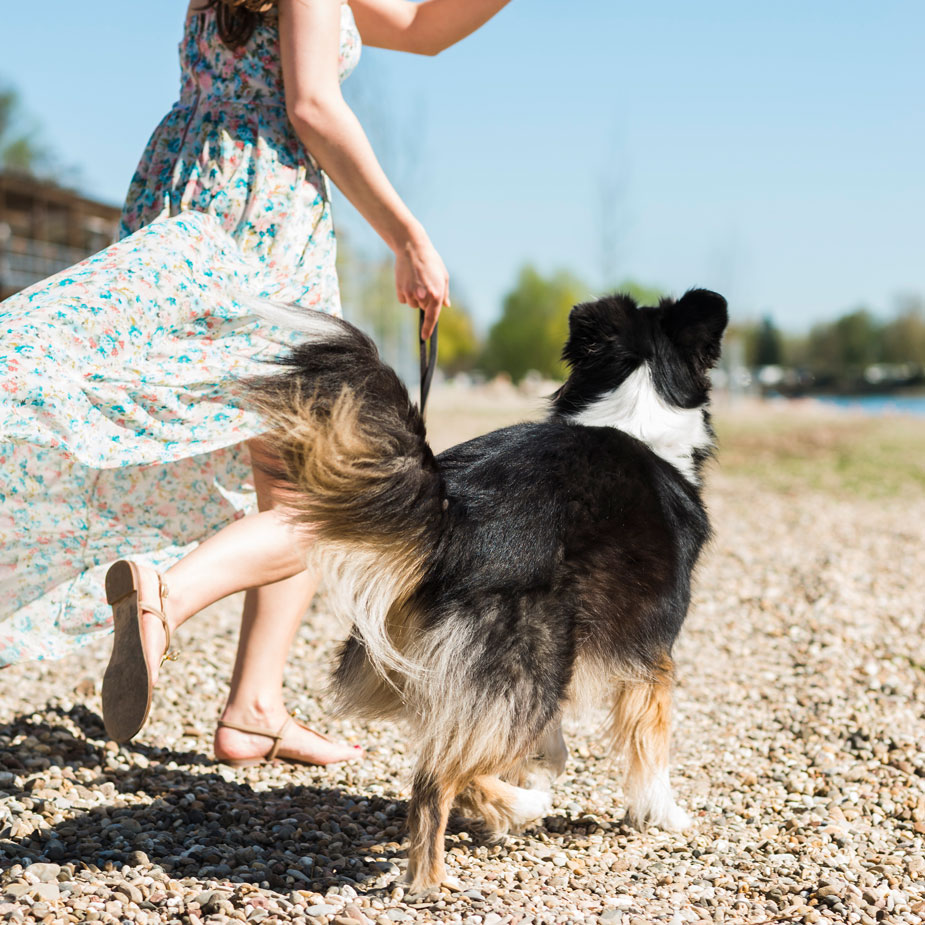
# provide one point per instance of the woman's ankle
(174, 602)
(257, 709)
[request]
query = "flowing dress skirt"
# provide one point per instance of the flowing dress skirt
(121, 421)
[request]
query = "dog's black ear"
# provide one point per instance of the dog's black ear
(592, 325)
(695, 324)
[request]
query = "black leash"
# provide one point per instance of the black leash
(428, 360)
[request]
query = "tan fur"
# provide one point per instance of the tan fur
(640, 730)
(428, 812)
(593, 682)
(492, 800)
(329, 455)
(639, 724)
(503, 808)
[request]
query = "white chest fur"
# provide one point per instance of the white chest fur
(637, 409)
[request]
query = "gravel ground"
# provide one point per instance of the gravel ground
(798, 750)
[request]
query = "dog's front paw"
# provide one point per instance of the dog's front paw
(651, 803)
(669, 817)
(426, 890)
(528, 806)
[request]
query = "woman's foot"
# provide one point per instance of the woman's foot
(297, 742)
(141, 638)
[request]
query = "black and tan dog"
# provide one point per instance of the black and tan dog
(541, 565)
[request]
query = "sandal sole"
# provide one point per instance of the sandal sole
(127, 686)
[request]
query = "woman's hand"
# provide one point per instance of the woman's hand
(421, 279)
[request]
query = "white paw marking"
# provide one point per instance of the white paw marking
(431, 891)
(529, 805)
(651, 803)
(673, 820)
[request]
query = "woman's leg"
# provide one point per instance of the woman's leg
(258, 549)
(271, 617)
(264, 554)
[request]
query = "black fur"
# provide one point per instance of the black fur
(550, 544)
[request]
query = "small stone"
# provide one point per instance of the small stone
(132, 892)
(85, 687)
(321, 909)
(353, 911)
(47, 873)
(17, 890)
(825, 891)
(49, 892)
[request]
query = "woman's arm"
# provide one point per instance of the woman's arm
(309, 32)
(424, 28)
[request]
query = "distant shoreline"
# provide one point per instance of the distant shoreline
(875, 404)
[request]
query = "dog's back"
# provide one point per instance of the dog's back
(560, 508)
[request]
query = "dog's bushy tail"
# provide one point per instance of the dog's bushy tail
(353, 448)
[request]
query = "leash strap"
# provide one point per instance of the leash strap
(428, 360)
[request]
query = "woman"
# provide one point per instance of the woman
(260, 91)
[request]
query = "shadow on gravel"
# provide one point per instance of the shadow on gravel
(159, 808)
(77, 740)
(190, 823)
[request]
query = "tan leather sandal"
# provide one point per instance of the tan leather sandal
(127, 683)
(277, 738)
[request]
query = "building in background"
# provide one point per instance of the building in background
(45, 228)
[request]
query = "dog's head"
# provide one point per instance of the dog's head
(645, 370)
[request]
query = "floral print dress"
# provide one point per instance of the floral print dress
(227, 148)
(121, 424)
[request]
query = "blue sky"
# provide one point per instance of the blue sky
(771, 151)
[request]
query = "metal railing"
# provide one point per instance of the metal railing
(24, 261)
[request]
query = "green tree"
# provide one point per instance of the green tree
(459, 343)
(533, 325)
(904, 336)
(766, 348)
(846, 345)
(795, 350)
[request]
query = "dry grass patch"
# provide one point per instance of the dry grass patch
(792, 449)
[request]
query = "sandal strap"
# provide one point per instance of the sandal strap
(163, 591)
(279, 739)
(261, 731)
(149, 608)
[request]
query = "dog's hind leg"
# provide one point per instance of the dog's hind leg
(503, 807)
(640, 727)
(540, 771)
(428, 809)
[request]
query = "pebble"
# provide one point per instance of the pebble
(47, 873)
(17, 890)
(47, 891)
(798, 723)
